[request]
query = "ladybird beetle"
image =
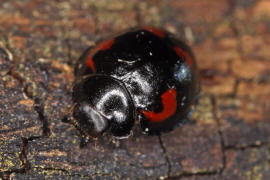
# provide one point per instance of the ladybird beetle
(144, 75)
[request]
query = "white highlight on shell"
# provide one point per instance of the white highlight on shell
(106, 98)
(120, 116)
(184, 98)
(125, 61)
(99, 122)
(182, 73)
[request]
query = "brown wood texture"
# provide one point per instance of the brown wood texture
(228, 137)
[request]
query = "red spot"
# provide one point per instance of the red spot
(169, 103)
(104, 45)
(156, 31)
(183, 54)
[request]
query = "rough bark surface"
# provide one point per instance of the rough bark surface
(228, 137)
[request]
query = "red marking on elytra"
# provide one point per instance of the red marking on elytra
(169, 103)
(104, 45)
(155, 31)
(182, 53)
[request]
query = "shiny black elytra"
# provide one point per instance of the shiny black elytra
(143, 75)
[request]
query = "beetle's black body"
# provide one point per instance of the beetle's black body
(142, 75)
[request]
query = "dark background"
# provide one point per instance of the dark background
(227, 137)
